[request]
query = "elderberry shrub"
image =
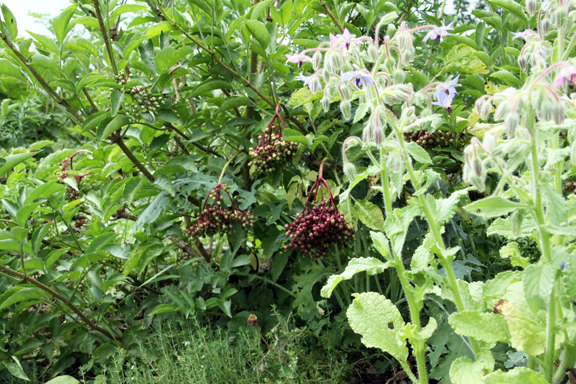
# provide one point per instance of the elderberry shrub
(272, 150)
(218, 218)
(437, 140)
(316, 229)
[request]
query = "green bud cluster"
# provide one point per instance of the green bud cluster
(437, 140)
(144, 101)
(272, 151)
(218, 218)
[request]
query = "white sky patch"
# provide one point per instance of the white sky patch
(21, 9)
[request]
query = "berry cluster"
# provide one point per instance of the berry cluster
(437, 140)
(219, 218)
(317, 228)
(272, 150)
(143, 100)
(570, 187)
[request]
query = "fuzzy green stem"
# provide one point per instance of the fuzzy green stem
(446, 263)
(412, 304)
(385, 186)
(570, 47)
(538, 207)
(567, 362)
(549, 358)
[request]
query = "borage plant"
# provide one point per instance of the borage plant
(530, 310)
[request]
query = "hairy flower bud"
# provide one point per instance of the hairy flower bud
(561, 17)
(531, 6)
(511, 122)
(559, 113)
(346, 109)
(398, 76)
(522, 62)
(336, 61)
(327, 72)
(545, 25)
(350, 171)
(325, 103)
(489, 142)
(378, 135)
(373, 52)
(317, 60)
(390, 30)
(345, 92)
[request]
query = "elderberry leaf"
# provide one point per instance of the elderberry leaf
(488, 327)
(378, 321)
(370, 265)
(518, 375)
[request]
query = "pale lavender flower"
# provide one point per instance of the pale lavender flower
(445, 92)
(524, 35)
(299, 58)
(566, 75)
(344, 40)
(313, 82)
(437, 33)
(360, 77)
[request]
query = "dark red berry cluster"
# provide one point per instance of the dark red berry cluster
(218, 218)
(437, 140)
(570, 187)
(320, 226)
(272, 150)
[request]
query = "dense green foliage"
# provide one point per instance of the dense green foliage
(408, 207)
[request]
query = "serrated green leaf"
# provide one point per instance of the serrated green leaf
(538, 284)
(493, 206)
(513, 7)
(118, 122)
(25, 294)
(259, 31)
(10, 161)
(9, 69)
(234, 102)
(378, 321)
(258, 9)
(488, 327)
(125, 8)
(346, 208)
(381, 244)
(369, 265)
(155, 30)
(526, 334)
(9, 21)
(369, 214)
(418, 153)
(46, 42)
(507, 77)
(518, 375)
(116, 99)
(463, 59)
(60, 22)
(210, 86)
(446, 208)
(168, 57)
(15, 368)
